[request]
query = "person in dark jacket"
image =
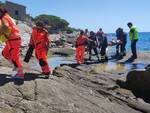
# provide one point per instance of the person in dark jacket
(103, 47)
(92, 45)
(122, 41)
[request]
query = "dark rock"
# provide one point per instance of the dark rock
(138, 81)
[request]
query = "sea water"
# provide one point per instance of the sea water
(143, 43)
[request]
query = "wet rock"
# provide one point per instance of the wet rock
(62, 51)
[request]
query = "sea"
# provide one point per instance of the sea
(143, 43)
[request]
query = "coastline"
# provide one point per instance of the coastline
(72, 89)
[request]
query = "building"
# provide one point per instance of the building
(17, 11)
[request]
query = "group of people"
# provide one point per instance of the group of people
(98, 43)
(93, 41)
(39, 41)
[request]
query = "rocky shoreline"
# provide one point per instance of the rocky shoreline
(76, 89)
(113, 87)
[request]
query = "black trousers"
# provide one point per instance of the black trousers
(121, 48)
(133, 48)
(92, 48)
(29, 53)
(103, 50)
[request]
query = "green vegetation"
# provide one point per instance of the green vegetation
(2, 5)
(55, 22)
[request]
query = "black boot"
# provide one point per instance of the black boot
(89, 58)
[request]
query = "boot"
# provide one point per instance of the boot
(97, 57)
(19, 74)
(106, 59)
(46, 75)
(89, 58)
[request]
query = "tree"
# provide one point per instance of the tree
(55, 22)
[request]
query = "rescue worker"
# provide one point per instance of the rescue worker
(9, 33)
(92, 45)
(134, 37)
(122, 40)
(80, 47)
(40, 42)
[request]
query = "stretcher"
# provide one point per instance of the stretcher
(114, 42)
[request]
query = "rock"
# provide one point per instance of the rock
(78, 91)
(138, 81)
(67, 51)
(25, 31)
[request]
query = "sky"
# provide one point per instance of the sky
(93, 14)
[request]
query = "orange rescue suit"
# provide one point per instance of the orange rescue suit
(12, 49)
(80, 48)
(40, 41)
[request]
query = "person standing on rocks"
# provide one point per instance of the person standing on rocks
(86, 33)
(99, 36)
(103, 47)
(102, 44)
(122, 39)
(134, 37)
(10, 34)
(80, 47)
(100, 32)
(92, 45)
(40, 42)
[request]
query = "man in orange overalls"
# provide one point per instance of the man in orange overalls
(10, 32)
(40, 42)
(80, 47)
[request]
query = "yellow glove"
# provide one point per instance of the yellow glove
(4, 37)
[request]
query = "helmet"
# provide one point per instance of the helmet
(81, 32)
(92, 33)
(39, 24)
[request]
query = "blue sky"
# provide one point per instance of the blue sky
(92, 14)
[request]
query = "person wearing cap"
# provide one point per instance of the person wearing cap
(10, 34)
(134, 37)
(40, 42)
